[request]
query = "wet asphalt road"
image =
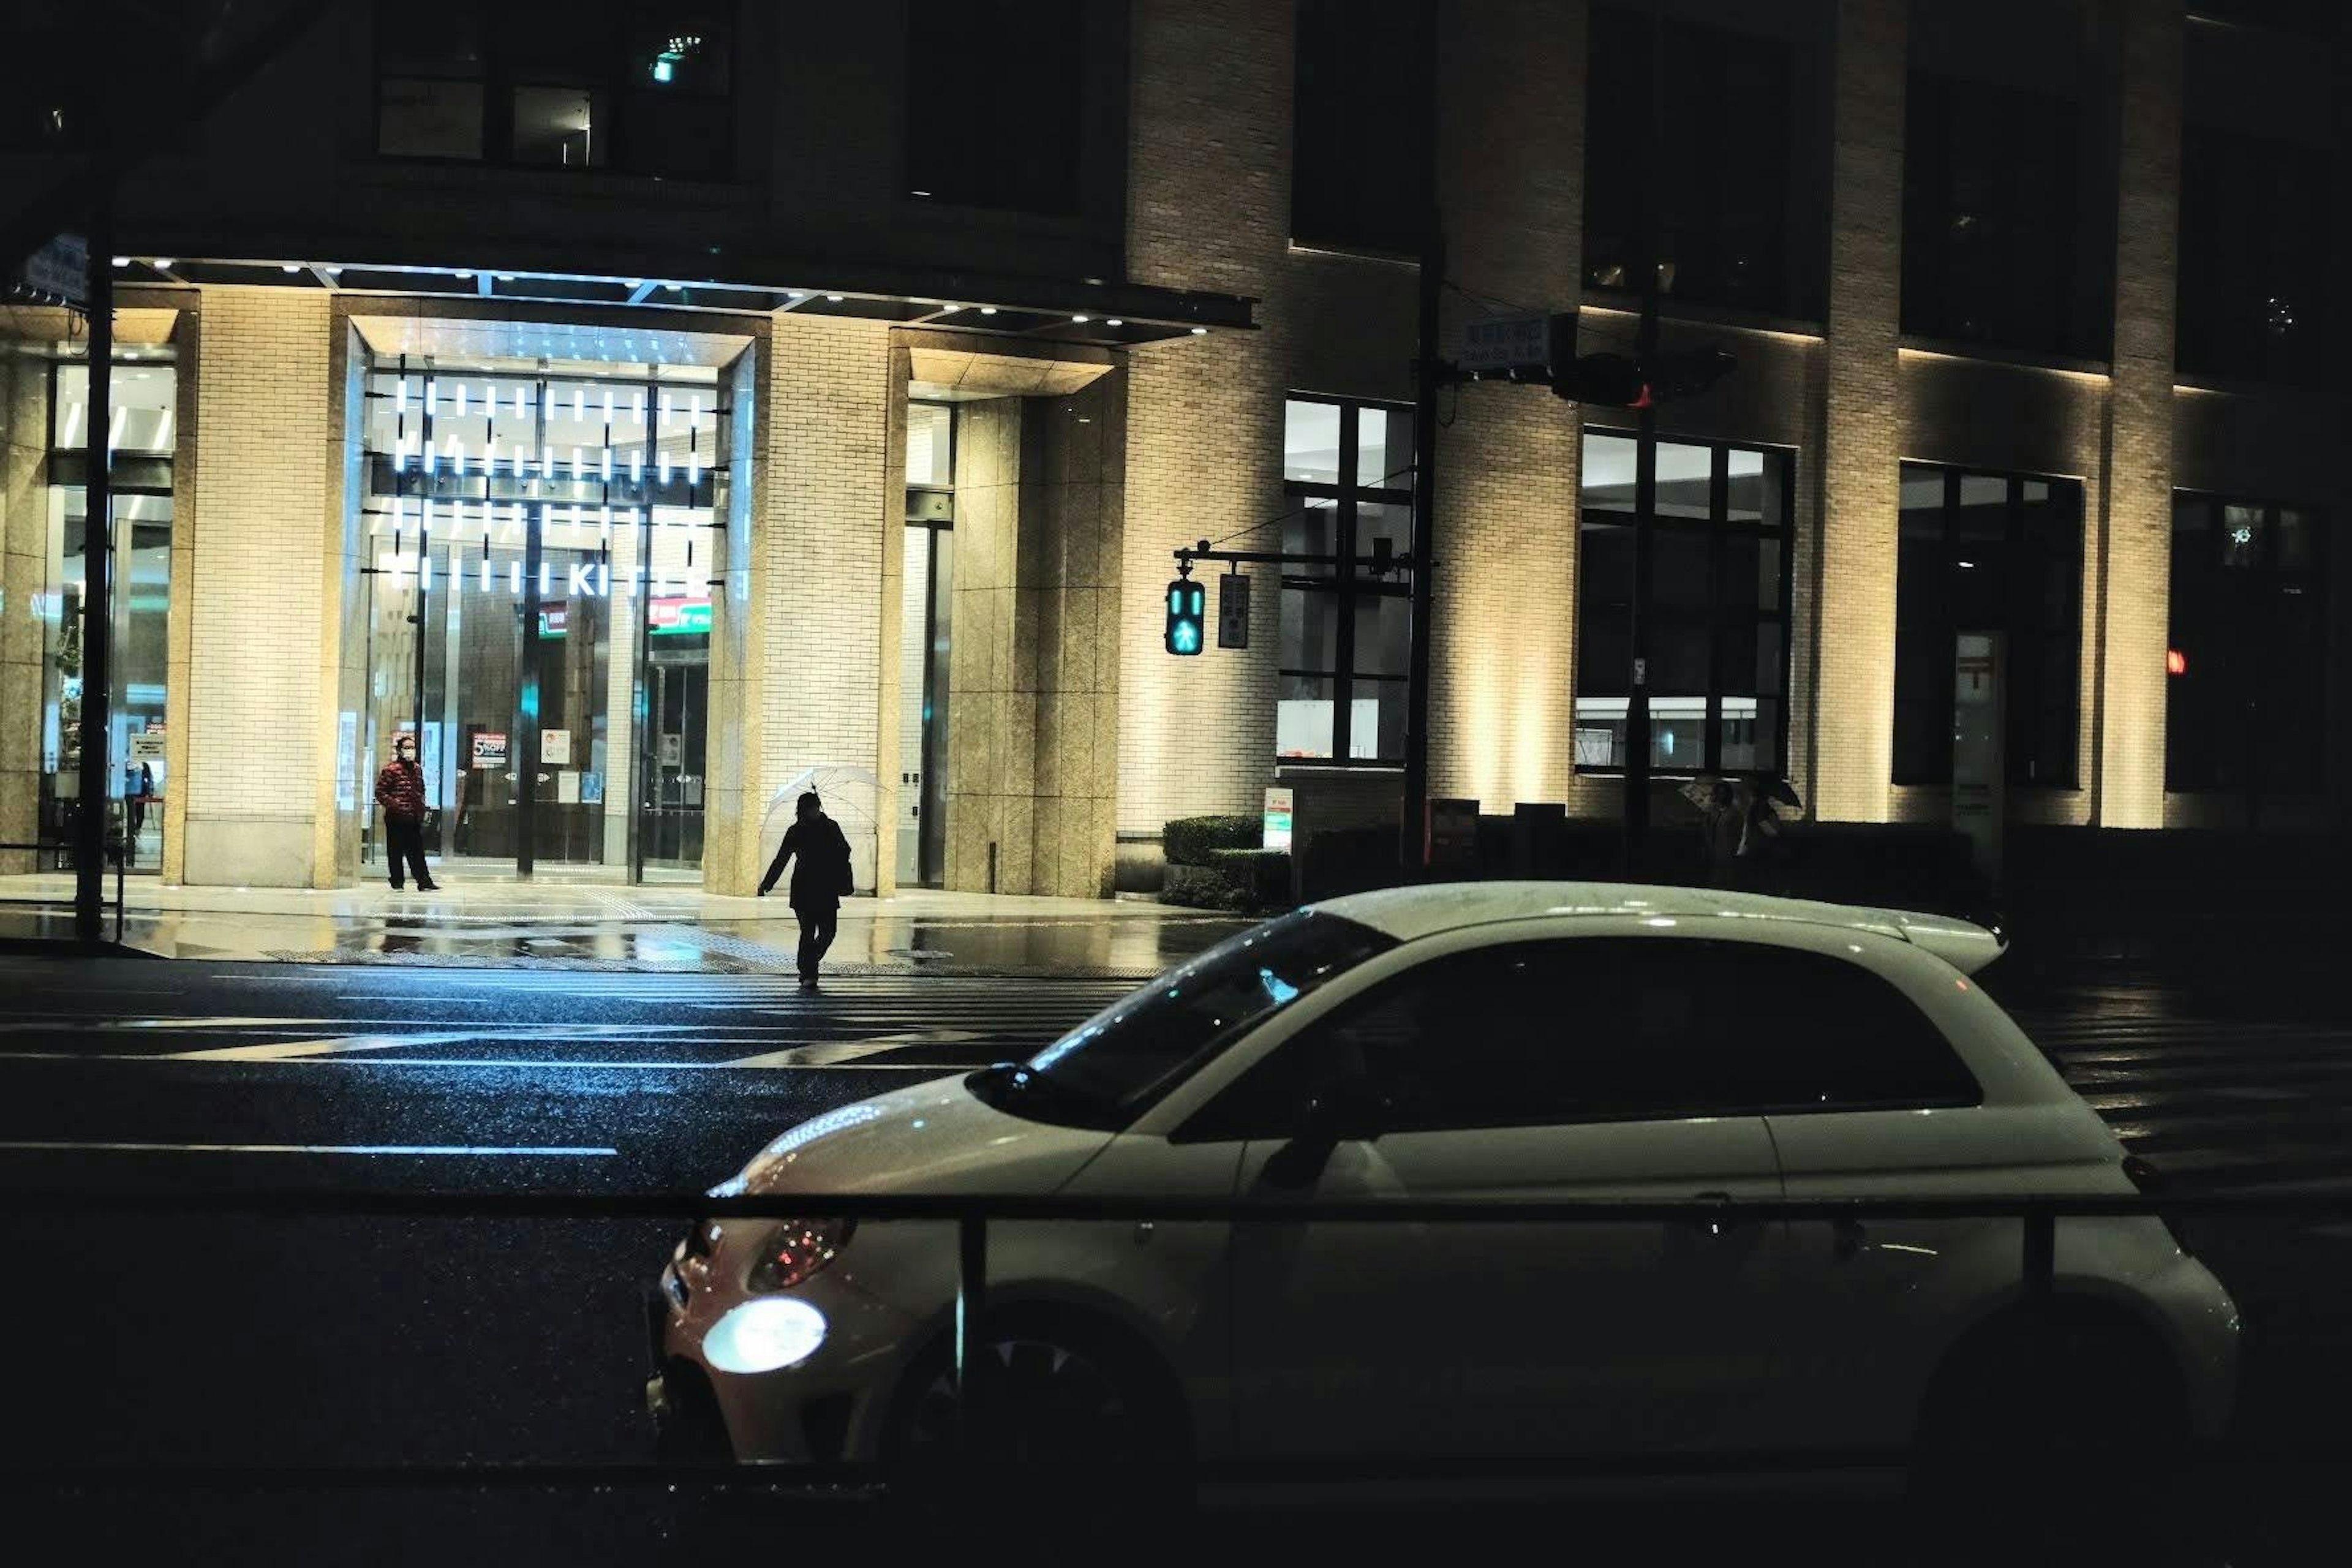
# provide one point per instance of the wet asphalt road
(238, 1340)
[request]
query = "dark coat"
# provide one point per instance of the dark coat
(821, 874)
(400, 790)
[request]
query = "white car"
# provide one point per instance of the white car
(1491, 1041)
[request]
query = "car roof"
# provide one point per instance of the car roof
(1426, 909)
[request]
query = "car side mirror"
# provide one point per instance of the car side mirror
(1343, 1111)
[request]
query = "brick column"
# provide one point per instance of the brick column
(1208, 207)
(1510, 161)
(256, 772)
(1855, 684)
(797, 660)
(2135, 523)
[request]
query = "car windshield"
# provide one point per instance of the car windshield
(1108, 1068)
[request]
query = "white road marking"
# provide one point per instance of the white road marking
(82, 1023)
(55, 1146)
(287, 1050)
(842, 1053)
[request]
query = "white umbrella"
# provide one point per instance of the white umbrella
(849, 799)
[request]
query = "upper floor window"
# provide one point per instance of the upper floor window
(643, 89)
(1015, 139)
(2254, 256)
(1346, 625)
(2245, 698)
(1717, 607)
(2000, 245)
(1360, 126)
(1741, 194)
(1989, 553)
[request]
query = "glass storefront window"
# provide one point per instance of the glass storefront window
(2244, 709)
(1989, 553)
(1717, 606)
(144, 432)
(543, 544)
(1346, 624)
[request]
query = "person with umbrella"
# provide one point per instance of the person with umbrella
(819, 880)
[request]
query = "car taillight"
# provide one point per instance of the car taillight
(2153, 1182)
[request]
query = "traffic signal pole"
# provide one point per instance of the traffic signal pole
(1413, 845)
(98, 593)
(1413, 841)
(1645, 472)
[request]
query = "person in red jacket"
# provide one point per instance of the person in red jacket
(400, 791)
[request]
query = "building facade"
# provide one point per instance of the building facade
(707, 402)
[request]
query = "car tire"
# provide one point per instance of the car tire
(2066, 1403)
(1064, 1393)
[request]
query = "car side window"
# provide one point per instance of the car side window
(1584, 1029)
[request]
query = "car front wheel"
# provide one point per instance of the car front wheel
(1049, 1393)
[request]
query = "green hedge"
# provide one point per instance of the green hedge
(1192, 840)
(1243, 881)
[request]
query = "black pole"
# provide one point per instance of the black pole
(1645, 475)
(1412, 844)
(98, 595)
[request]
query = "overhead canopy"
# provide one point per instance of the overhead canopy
(1080, 311)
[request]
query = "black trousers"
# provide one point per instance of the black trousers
(404, 842)
(817, 922)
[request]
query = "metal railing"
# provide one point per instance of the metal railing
(2038, 1218)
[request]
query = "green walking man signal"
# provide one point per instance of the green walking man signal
(1188, 611)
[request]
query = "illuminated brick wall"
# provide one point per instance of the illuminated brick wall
(259, 559)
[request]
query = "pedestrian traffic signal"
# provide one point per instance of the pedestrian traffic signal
(1188, 611)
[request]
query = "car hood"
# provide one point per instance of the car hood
(935, 1137)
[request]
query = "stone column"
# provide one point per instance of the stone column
(256, 772)
(1854, 683)
(2135, 524)
(24, 575)
(732, 800)
(1510, 161)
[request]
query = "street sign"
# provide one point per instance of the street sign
(1233, 610)
(59, 271)
(1506, 342)
(1277, 817)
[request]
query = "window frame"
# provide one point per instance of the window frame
(1716, 527)
(1345, 582)
(2231, 606)
(500, 76)
(2017, 593)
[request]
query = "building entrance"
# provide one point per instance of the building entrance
(540, 538)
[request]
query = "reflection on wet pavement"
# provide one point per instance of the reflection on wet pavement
(661, 929)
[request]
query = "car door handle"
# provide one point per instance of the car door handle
(1712, 1226)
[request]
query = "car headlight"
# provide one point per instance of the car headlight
(797, 1249)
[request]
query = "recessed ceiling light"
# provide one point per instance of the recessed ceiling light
(988, 310)
(462, 273)
(835, 297)
(1081, 318)
(1114, 322)
(506, 277)
(1200, 331)
(633, 282)
(123, 261)
(799, 294)
(161, 261)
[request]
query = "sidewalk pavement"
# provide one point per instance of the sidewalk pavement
(566, 922)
